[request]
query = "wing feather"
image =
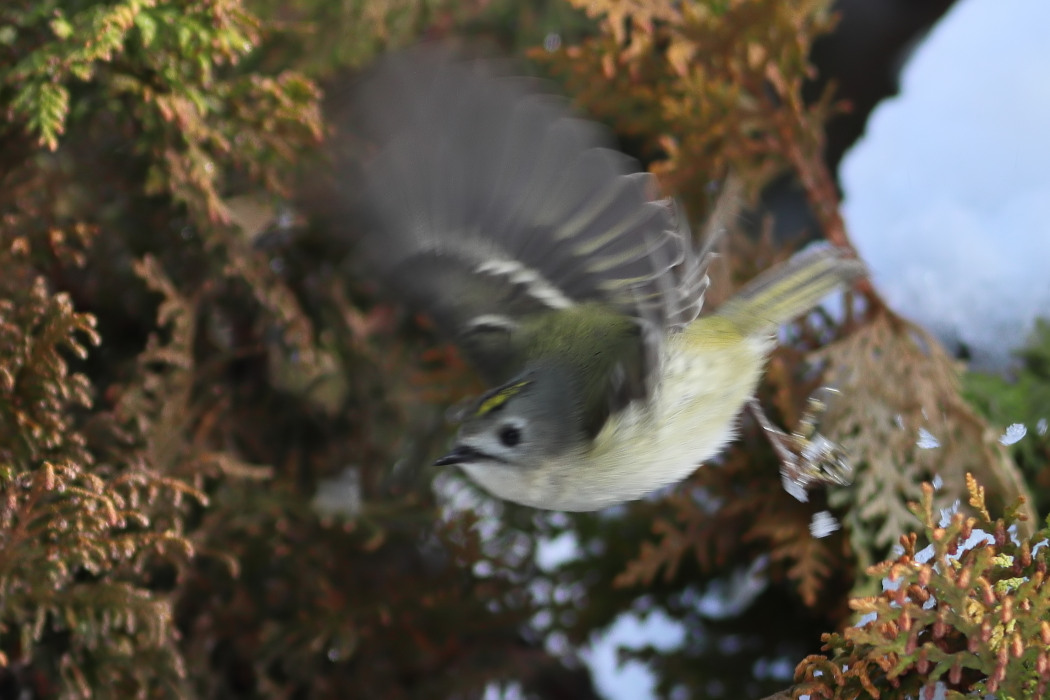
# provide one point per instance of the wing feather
(523, 206)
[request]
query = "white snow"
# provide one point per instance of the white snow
(948, 194)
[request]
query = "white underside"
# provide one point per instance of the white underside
(691, 418)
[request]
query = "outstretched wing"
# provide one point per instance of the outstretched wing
(494, 202)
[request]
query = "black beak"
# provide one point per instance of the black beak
(460, 454)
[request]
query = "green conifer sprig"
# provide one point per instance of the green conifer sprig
(970, 611)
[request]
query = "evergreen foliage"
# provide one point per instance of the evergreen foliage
(1022, 399)
(214, 435)
(971, 611)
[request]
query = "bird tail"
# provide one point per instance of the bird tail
(790, 289)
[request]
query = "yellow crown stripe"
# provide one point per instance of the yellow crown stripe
(501, 397)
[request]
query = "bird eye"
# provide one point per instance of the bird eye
(510, 436)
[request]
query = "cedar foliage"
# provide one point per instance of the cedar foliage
(970, 611)
(199, 408)
(1023, 399)
(137, 155)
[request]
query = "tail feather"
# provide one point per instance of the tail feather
(791, 289)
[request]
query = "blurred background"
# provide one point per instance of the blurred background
(216, 429)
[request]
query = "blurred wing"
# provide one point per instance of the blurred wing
(493, 202)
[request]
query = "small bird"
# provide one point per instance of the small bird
(571, 288)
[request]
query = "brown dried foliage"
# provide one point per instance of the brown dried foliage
(900, 381)
(79, 532)
(969, 611)
(157, 535)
